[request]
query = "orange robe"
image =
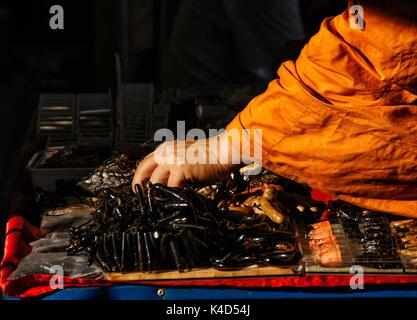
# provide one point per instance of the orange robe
(343, 116)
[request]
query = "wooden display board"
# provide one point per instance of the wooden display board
(252, 271)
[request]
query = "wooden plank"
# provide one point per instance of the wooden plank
(252, 271)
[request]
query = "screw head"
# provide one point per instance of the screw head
(160, 292)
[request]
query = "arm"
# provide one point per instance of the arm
(339, 118)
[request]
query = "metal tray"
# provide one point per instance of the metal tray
(46, 178)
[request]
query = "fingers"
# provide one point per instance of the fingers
(176, 179)
(144, 170)
(160, 174)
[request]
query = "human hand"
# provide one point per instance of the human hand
(175, 162)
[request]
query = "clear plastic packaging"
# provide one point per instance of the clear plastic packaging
(47, 263)
(49, 253)
(53, 242)
(64, 222)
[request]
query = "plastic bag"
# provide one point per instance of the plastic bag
(70, 209)
(53, 242)
(64, 222)
(48, 263)
(115, 172)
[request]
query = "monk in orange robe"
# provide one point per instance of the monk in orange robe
(342, 118)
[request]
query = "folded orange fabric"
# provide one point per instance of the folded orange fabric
(342, 117)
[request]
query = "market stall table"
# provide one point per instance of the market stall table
(150, 287)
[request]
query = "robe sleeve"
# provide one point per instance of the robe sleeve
(342, 117)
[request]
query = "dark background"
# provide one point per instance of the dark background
(36, 59)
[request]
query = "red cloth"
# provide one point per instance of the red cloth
(321, 196)
(20, 232)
